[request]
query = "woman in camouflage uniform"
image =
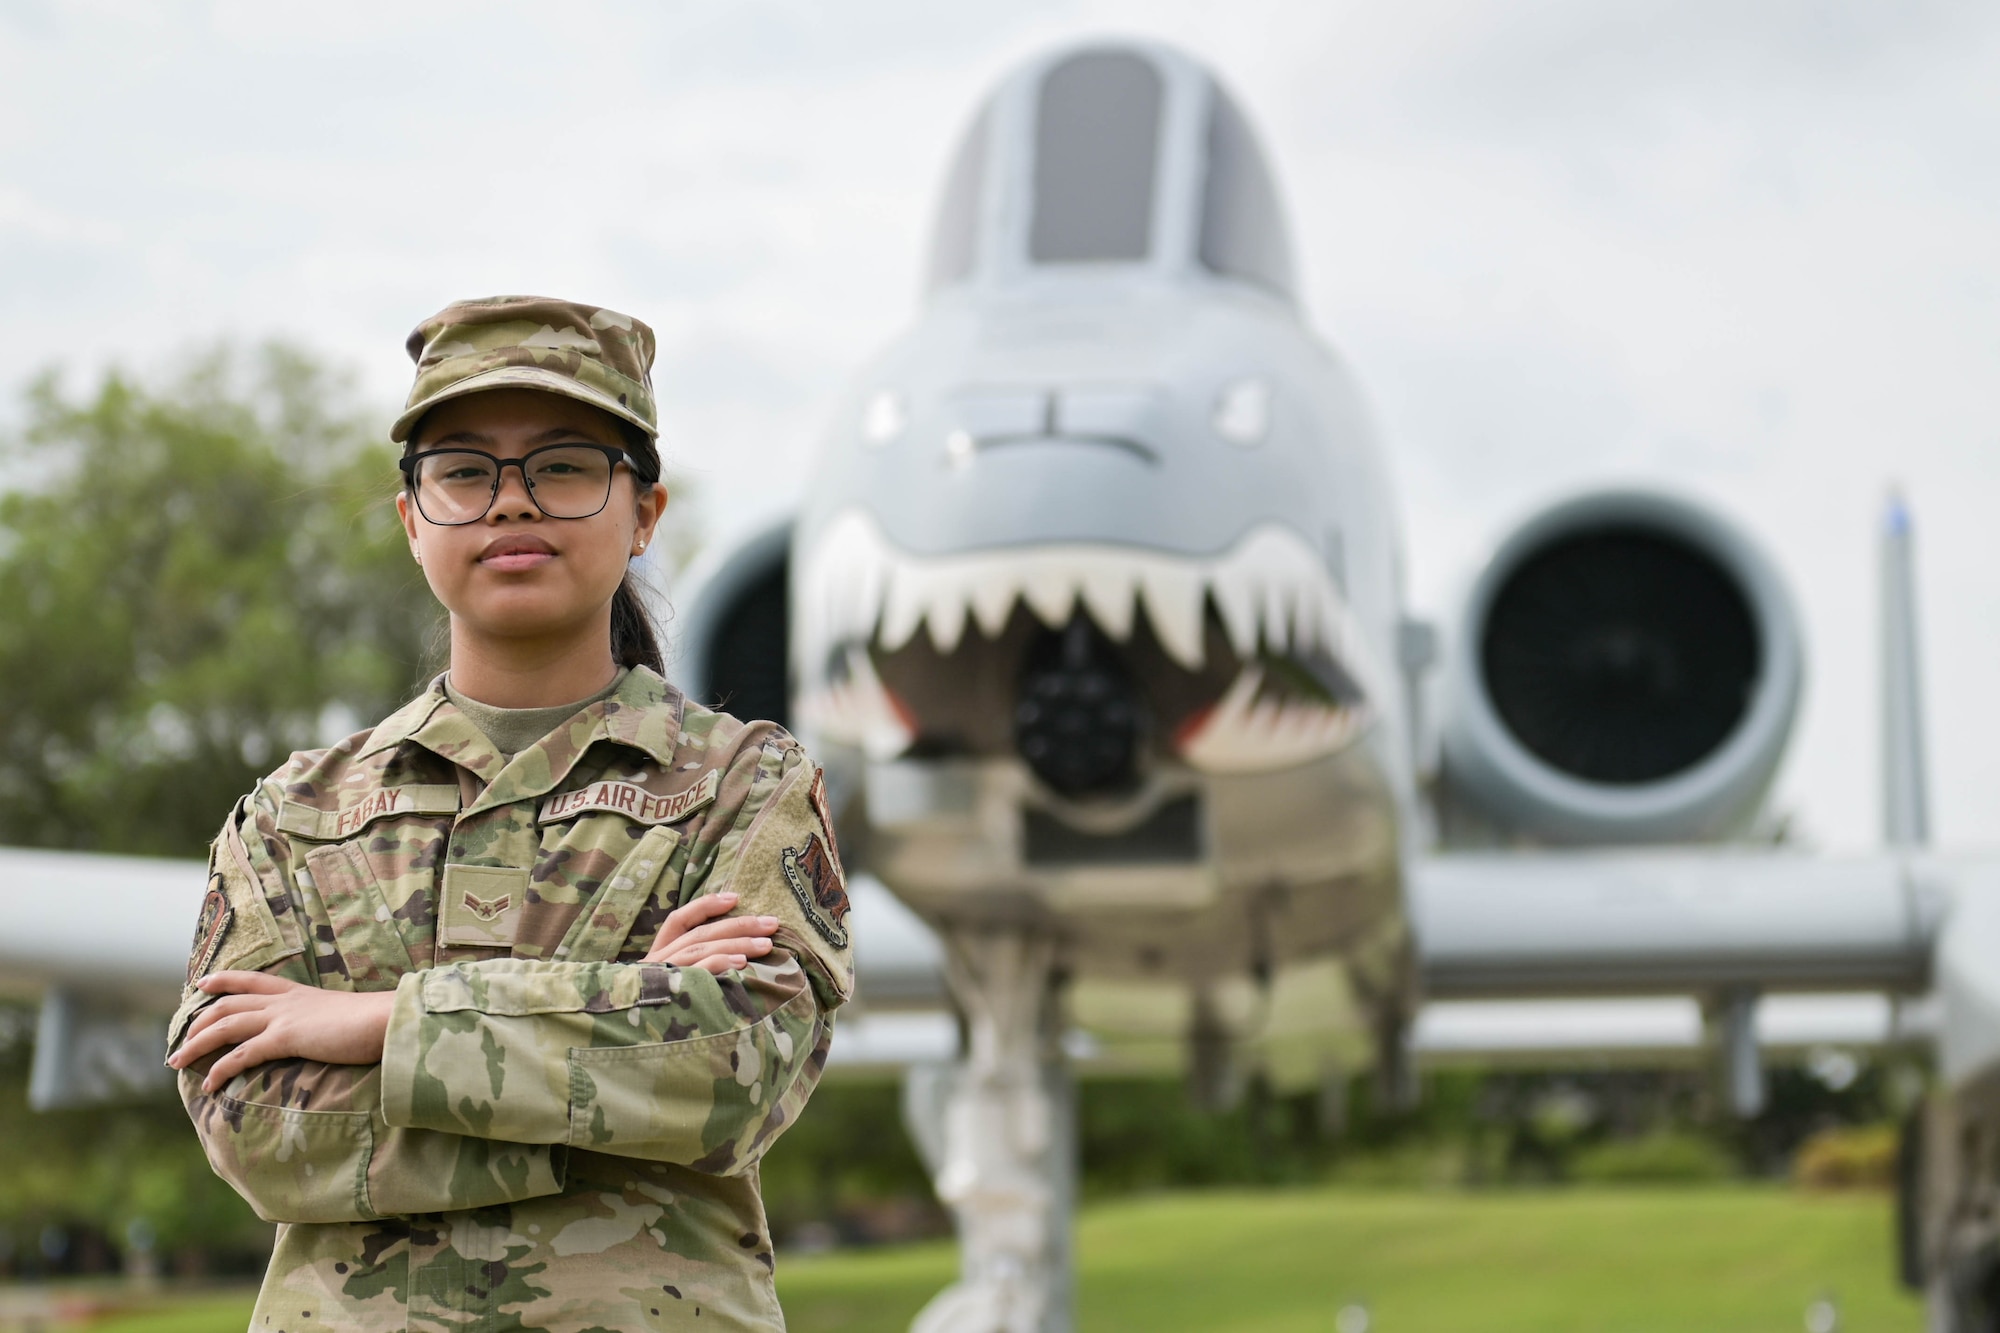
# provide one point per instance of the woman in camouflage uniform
(495, 1007)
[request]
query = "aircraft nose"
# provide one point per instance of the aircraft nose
(1125, 417)
(1104, 462)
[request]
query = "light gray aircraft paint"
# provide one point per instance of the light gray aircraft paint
(1109, 435)
(1105, 415)
(1096, 619)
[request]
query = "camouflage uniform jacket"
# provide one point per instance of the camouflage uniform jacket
(558, 1137)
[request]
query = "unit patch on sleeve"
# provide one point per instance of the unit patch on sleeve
(631, 800)
(209, 931)
(817, 883)
(817, 795)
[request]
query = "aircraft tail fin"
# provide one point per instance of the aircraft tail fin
(1905, 789)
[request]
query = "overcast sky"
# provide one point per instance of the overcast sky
(1750, 251)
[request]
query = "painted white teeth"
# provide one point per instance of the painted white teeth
(1270, 588)
(1237, 602)
(947, 621)
(1173, 606)
(1107, 593)
(903, 610)
(992, 600)
(1050, 592)
(857, 709)
(1243, 734)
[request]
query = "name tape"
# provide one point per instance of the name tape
(413, 799)
(631, 800)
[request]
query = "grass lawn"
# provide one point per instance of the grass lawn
(1707, 1260)
(217, 1313)
(1712, 1260)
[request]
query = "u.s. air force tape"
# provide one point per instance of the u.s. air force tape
(632, 801)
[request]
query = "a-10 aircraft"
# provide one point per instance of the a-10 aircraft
(1094, 612)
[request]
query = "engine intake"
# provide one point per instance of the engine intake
(1627, 671)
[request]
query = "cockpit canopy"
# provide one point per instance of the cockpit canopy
(1117, 156)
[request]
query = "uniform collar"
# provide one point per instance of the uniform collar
(399, 725)
(644, 712)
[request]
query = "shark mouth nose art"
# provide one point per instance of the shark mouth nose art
(1268, 662)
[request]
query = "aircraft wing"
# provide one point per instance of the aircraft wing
(111, 926)
(1516, 924)
(102, 943)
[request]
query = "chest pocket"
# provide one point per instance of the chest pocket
(361, 945)
(366, 949)
(599, 931)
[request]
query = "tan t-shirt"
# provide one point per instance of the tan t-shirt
(513, 730)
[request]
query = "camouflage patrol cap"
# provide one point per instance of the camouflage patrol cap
(585, 352)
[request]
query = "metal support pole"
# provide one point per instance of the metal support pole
(87, 1053)
(1731, 1019)
(1006, 1165)
(1213, 1080)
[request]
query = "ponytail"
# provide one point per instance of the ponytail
(635, 641)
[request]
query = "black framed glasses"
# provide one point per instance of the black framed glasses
(458, 486)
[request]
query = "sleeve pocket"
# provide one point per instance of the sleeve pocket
(646, 1101)
(295, 1166)
(347, 1166)
(424, 1171)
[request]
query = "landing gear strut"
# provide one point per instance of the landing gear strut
(1007, 1149)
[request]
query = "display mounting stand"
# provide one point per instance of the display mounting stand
(1006, 1136)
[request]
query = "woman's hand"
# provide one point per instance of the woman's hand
(265, 1018)
(720, 945)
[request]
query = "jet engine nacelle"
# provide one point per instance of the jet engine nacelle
(1626, 670)
(728, 635)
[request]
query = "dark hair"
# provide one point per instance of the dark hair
(635, 639)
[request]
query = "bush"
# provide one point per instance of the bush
(1665, 1158)
(1416, 1165)
(95, 1181)
(1847, 1157)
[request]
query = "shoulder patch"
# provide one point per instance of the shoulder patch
(211, 928)
(817, 795)
(631, 800)
(816, 881)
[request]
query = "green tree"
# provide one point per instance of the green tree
(197, 576)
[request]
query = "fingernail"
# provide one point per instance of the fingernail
(768, 922)
(728, 897)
